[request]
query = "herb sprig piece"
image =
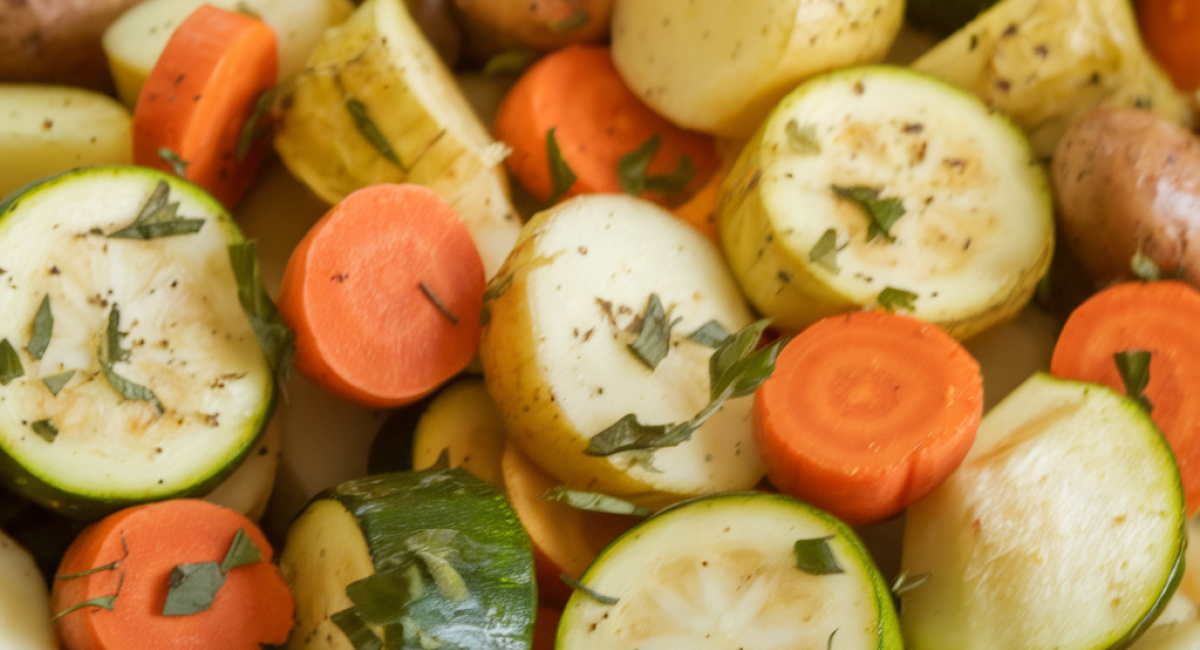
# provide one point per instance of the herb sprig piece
(883, 212)
(633, 171)
(1134, 368)
(562, 177)
(594, 502)
(158, 218)
(193, 587)
(112, 353)
(734, 369)
(43, 327)
(274, 336)
(10, 363)
(815, 557)
(654, 341)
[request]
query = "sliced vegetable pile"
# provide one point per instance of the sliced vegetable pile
(657, 299)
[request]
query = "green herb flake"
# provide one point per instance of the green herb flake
(497, 286)
(815, 557)
(45, 429)
(158, 218)
(893, 299)
(572, 22)
(711, 334)
(254, 129)
(242, 551)
(55, 383)
(512, 62)
(654, 341)
(192, 588)
(113, 337)
(437, 302)
(43, 327)
(1146, 269)
(829, 643)
(177, 163)
(381, 597)
(596, 596)
(735, 369)
(10, 363)
(354, 626)
(561, 175)
(274, 336)
(633, 171)
(905, 584)
(245, 10)
(802, 139)
(1143, 103)
(128, 389)
(1134, 368)
(366, 126)
(594, 502)
(883, 212)
(824, 252)
(111, 566)
(101, 602)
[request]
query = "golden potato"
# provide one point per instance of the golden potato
(1127, 180)
(56, 41)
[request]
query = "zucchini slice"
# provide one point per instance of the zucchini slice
(725, 572)
(431, 559)
(877, 178)
(149, 383)
(1064, 528)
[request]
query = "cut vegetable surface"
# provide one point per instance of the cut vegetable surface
(572, 109)
(376, 105)
(192, 114)
(592, 352)
(183, 574)
(1158, 319)
(133, 372)
(740, 570)
(461, 421)
(1064, 528)
(24, 600)
(866, 413)
(720, 67)
(410, 560)
(45, 130)
(871, 184)
(384, 294)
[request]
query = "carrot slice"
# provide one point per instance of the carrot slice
(565, 539)
(193, 108)
(867, 413)
(596, 120)
(1171, 29)
(131, 555)
(1155, 317)
(384, 294)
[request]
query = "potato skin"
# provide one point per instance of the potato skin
(57, 41)
(495, 26)
(1127, 180)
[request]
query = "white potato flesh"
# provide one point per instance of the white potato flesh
(719, 67)
(557, 361)
(1047, 63)
(134, 41)
(977, 230)
(24, 601)
(379, 58)
(462, 421)
(49, 129)
(248, 488)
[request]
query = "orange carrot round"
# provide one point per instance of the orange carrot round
(565, 539)
(576, 96)
(1159, 318)
(384, 294)
(192, 112)
(867, 413)
(123, 564)
(1171, 29)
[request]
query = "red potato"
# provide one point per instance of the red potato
(1128, 180)
(496, 26)
(57, 41)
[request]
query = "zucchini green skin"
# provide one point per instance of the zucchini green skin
(390, 508)
(42, 487)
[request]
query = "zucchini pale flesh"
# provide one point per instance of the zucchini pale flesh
(129, 371)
